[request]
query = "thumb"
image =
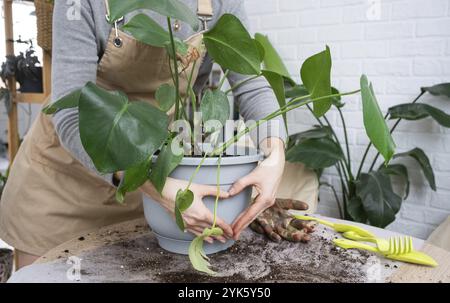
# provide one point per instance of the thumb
(240, 185)
(207, 190)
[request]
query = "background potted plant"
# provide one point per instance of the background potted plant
(148, 154)
(369, 196)
(26, 69)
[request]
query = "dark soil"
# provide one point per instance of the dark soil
(253, 259)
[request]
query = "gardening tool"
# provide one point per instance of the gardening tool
(395, 245)
(339, 227)
(414, 257)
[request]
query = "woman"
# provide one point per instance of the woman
(54, 192)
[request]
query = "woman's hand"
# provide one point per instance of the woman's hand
(265, 178)
(197, 217)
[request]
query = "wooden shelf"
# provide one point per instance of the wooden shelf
(35, 98)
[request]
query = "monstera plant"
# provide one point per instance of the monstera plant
(134, 137)
(368, 196)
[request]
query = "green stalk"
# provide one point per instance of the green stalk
(216, 203)
(222, 81)
(241, 83)
(175, 63)
(349, 160)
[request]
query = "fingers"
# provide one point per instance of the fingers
(205, 190)
(250, 215)
(293, 235)
(292, 204)
(241, 184)
(268, 229)
(257, 228)
(300, 224)
(227, 230)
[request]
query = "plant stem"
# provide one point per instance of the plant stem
(216, 203)
(336, 197)
(241, 83)
(349, 160)
(222, 81)
(175, 63)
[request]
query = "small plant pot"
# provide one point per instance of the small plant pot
(169, 236)
(30, 85)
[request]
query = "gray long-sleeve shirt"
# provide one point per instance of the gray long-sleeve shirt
(80, 36)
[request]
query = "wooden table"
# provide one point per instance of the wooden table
(128, 252)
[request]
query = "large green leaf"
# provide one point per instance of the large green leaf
(419, 111)
(165, 164)
(232, 47)
(398, 170)
(316, 133)
(148, 31)
(442, 89)
(169, 8)
(420, 156)
(316, 153)
(215, 106)
(69, 101)
(197, 254)
(166, 96)
(356, 210)
(272, 60)
(378, 199)
(316, 76)
(133, 178)
(276, 81)
(118, 134)
(374, 122)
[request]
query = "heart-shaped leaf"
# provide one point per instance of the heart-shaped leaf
(69, 101)
(183, 201)
(118, 134)
(419, 111)
(378, 198)
(133, 178)
(215, 106)
(316, 153)
(197, 254)
(166, 96)
(420, 156)
(148, 31)
(442, 89)
(169, 8)
(165, 164)
(316, 76)
(272, 60)
(398, 170)
(232, 47)
(374, 122)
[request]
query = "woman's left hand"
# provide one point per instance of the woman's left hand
(265, 178)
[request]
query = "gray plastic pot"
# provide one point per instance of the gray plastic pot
(169, 236)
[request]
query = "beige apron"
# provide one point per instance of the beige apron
(50, 197)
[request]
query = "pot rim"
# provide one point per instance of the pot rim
(226, 161)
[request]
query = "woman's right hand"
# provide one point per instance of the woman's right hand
(198, 216)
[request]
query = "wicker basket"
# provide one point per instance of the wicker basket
(44, 16)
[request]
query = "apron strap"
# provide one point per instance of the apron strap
(205, 8)
(107, 8)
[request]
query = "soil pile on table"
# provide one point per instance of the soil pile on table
(252, 259)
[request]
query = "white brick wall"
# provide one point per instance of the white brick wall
(401, 47)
